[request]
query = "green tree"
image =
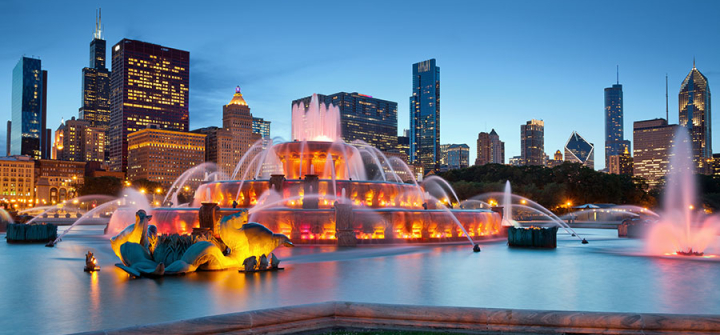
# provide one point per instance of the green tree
(552, 187)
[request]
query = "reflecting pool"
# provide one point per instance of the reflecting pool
(44, 290)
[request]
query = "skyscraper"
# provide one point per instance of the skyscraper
(363, 118)
(238, 121)
(615, 142)
(695, 114)
(80, 142)
(490, 149)
(95, 104)
(621, 163)
(425, 116)
(532, 143)
(579, 150)
(149, 85)
(653, 140)
(28, 108)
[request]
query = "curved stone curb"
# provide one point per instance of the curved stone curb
(351, 315)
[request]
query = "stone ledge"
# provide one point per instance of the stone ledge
(358, 316)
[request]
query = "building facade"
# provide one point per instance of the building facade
(17, 182)
(29, 109)
(363, 118)
(218, 147)
(621, 163)
(454, 156)
(261, 127)
(79, 141)
(716, 165)
(651, 154)
(149, 85)
(532, 143)
(57, 181)
(95, 104)
(696, 116)
(579, 150)
(557, 159)
(238, 121)
(615, 142)
(163, 155)
(490, 149)
(425, 116)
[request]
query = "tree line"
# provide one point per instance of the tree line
(553, 187)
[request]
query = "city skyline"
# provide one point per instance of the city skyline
(475, 81)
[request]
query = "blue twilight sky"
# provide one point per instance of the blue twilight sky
(502, 62)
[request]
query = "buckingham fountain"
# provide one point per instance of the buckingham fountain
(318, 189)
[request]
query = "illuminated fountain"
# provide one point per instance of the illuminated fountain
(317, 189)
(682, 228)
(516, 202)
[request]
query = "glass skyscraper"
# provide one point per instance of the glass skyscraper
(262, 127)
(95, 104)
(615, 143)
(579, 150)
(149, 85)
(28, 108)
(363, 118)
(425, 116)
(694, 101)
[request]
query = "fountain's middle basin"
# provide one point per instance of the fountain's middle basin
(369, 225)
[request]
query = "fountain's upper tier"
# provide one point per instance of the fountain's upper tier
(324, 159)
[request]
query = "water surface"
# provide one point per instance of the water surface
(44, 290)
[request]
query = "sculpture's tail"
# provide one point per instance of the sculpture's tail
(201, 254)
(179, 267)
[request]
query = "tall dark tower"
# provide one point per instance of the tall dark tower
(149, 85)
(615, 143)
(695, 115)
(425, 116)
(95, 104)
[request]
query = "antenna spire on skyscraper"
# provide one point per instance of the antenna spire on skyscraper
(98, 24)
(618, 74)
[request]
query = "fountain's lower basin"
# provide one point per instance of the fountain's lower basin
(533, 237)
(31, 233)
(318, 226)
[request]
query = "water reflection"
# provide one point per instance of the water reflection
(51, 286)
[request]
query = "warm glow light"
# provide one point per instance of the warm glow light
(158, 190)
(142, 190)
(522, 201)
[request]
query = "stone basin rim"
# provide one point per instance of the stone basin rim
(358, 315)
